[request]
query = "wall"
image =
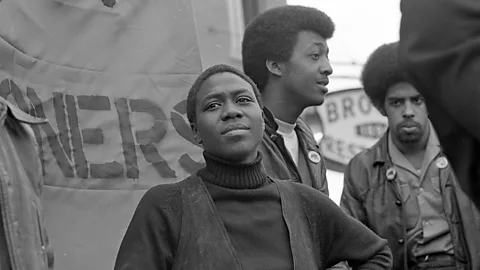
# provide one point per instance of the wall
(220, 26)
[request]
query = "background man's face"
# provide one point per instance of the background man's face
(406, 112)
(305, 75)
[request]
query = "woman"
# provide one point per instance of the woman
(231, 215)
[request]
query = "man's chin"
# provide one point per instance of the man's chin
(410, 138)
(316, 101)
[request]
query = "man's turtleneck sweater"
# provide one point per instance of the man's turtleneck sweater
(249, 205)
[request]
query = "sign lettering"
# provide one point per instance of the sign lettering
(350, 124)
(71, 138)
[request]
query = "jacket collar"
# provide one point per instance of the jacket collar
(380, 150)
(269, 119)
(301, 127)
(7, 107)
(380, 154)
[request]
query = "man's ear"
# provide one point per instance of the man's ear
(196, 135)
(274, 67)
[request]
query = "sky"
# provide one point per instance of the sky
(360, 27)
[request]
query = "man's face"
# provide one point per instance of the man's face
(407, 113)
(305, 75)
(229, 120)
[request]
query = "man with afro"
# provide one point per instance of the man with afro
(285, 52)
(403, 187)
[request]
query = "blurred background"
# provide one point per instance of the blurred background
(346, 123)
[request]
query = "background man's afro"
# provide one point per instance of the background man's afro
(381, 71)
(216, 69)
(273, 34)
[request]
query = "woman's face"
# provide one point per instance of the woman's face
(229, 122)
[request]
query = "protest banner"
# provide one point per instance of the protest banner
(112, 82)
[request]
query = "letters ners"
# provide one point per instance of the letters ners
(72, 138)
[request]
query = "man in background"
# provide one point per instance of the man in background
(403, 187)
(285, 52)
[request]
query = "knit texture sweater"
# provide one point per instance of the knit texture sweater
(261, 226)
(249, 205)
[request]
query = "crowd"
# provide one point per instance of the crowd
(411, 201)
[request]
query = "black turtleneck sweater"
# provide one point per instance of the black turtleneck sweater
(249, 204)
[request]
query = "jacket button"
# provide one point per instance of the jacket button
(401, 241)
(398, 202)
(273, 137)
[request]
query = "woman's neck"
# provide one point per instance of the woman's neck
(233, 175)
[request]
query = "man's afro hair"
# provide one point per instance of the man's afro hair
(382, 70)
(273, 34)
(216, 69)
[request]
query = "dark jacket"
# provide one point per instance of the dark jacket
(440, 46)
(279, 164)
(21, 181)
(177, 226)
(376, 201)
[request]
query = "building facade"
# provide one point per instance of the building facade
(220, 26)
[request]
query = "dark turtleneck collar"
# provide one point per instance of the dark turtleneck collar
(233, 175)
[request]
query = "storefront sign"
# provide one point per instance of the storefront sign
(350, 124)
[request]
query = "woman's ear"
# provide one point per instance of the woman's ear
(196, 135)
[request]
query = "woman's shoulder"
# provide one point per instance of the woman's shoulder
(162, 193)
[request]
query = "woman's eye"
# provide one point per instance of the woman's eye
(244, 99)
(212, 105)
